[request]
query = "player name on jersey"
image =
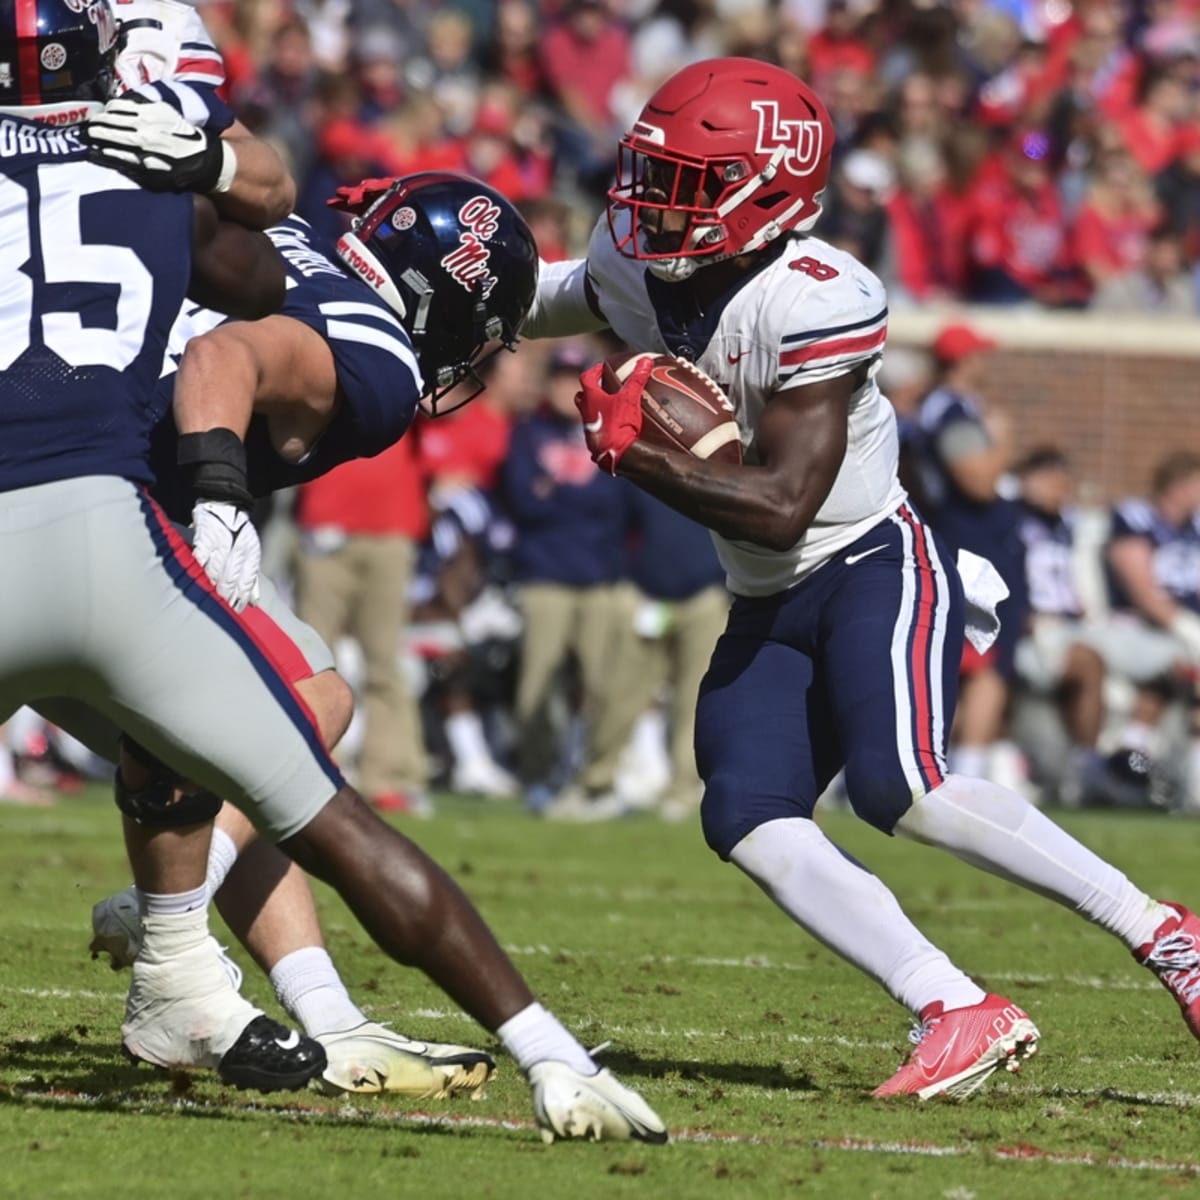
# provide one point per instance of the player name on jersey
(19, 138)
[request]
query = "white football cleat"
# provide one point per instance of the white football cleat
(372, 1058)
(117, 932)
(598, 1108)
(182, 1011)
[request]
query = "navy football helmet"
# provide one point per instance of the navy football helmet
(455, 260)
(57, 57)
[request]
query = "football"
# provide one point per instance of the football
(682, 409)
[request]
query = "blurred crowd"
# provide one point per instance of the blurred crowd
(519, 624)
(1001, 151)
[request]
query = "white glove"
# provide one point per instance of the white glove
(225, 543)
(1185, 625)
(151, 143)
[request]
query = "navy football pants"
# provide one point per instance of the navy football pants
(855, 667)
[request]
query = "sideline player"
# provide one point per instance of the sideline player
(330, 377)
(141, 615)
(844, 638)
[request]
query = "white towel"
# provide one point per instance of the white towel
(984, 590)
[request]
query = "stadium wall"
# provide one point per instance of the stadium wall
(1116, 393)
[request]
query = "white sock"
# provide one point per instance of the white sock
(535, 1035)
(222, 854)
(997, 830)
(172, 904)
(968, 760)
(310, 989)
(167, 935)
(843, 905)
(464, 732)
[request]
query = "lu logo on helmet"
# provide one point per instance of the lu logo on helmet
(802, 141)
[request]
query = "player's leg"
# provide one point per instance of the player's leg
(765, 749)
(239, 730)
(698, 622)
(392, 762)
(888, 690)
(608, 650)
(978, 821)
(547, 610)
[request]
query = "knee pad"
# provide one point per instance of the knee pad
(156, 805)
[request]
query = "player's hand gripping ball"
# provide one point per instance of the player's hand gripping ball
(682, 409)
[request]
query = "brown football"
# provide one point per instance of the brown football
(682, 409)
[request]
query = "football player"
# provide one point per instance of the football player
(843, 642)
(331, 377)
(103, 268)
(142, 615)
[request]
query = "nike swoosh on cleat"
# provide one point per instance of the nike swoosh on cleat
(596, 425)
(851, 559)
(931, 1070)
(290, 1042)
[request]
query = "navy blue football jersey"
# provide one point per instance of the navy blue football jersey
(1049, 542)
(377, 372)
(94, 272)
(1175, 550)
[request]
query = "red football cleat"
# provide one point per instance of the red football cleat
(1173, 954)
(956, 1051)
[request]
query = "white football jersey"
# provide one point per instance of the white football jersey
(166, 41)
(813, 314)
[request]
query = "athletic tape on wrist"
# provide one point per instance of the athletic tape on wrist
(229, 165)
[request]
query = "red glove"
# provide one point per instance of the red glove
(612, 420)
(359, 197)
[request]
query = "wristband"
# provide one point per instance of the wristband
(229, 165)
(216, 461)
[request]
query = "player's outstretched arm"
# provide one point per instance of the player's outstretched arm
(154, 144)
(799, 446)
(234, 270)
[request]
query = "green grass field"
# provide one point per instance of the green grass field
(755, 1044)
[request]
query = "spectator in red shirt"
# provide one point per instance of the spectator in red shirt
(1017, 246)
(1115, 220)
(1151, 131)
(926, 218)
(584, 56)
(512, 54)
(838, 46)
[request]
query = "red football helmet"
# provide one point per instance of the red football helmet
(741, 148)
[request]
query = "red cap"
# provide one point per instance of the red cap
(956, 342)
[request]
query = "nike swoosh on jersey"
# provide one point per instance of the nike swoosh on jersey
(596, 425)
(734, 359)
(851, 559)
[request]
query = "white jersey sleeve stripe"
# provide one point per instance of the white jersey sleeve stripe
(346, 331)
(351, 308)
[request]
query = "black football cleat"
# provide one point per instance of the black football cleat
(271, 1057)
